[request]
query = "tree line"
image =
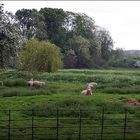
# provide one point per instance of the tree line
(74, 40)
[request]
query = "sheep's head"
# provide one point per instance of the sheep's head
(92, 83)
(89, 91)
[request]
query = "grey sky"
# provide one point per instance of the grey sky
(120, 18)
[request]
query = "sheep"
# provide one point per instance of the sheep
(90, 87)
(35, 83)
(92, 84)
(42, 83)
(38, 83)
(88, 91)
(30, 83)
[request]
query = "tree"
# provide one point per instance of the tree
(53, 20)
(106, 43)
(70, 59)
(80, 47)
(31, 23)
(73, 32)
(40, 56)
(10, 38)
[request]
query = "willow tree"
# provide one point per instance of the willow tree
(40, 56)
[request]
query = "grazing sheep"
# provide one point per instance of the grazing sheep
(35, 83)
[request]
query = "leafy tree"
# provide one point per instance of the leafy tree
(76, 35)
(80, 46)
(95, 48)
(10, 38)
(118, 53)
(70, 59)
(106, 43)
(84, 26)
(54, 20)
(31, 23)
(40, 56)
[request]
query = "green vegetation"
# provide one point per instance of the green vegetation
(40, 56)
(82, 44)
(62, 91)
(10, 39)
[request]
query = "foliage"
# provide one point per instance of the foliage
(81, 42)
(31, 23)
(7, 92)
(121, 58)
(74, 80)
(54, 20)
(64, 93)
(106, 43)
(10, 38)
(40, 56)
(80, 47)
(14, 82)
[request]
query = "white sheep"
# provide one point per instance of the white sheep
(92, 84)
(87, 91)
(30, 83)
(90, 87)
(35, 83)
(38, 83)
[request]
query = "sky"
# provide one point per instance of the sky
(120, 18)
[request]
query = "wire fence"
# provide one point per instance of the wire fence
(75, 124)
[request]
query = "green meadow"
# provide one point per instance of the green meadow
(59, 103)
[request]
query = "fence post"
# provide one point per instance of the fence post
(80, 122)
(32, 124)
(125, 121)
(9, 124)
(102, 123)
(57, 113)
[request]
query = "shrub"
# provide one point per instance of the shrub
(22, 92)
(15, 82)
(46, 57)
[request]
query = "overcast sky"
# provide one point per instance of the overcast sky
(120, 18)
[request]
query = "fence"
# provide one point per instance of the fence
(72, 124)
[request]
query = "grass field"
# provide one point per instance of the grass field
(62, 91)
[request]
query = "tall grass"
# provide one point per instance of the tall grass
(14, 82)
(109, 81)
(63, 92)
(8, 92)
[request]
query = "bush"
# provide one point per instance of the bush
(22, 92)
(15, 82)
(47, 56)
